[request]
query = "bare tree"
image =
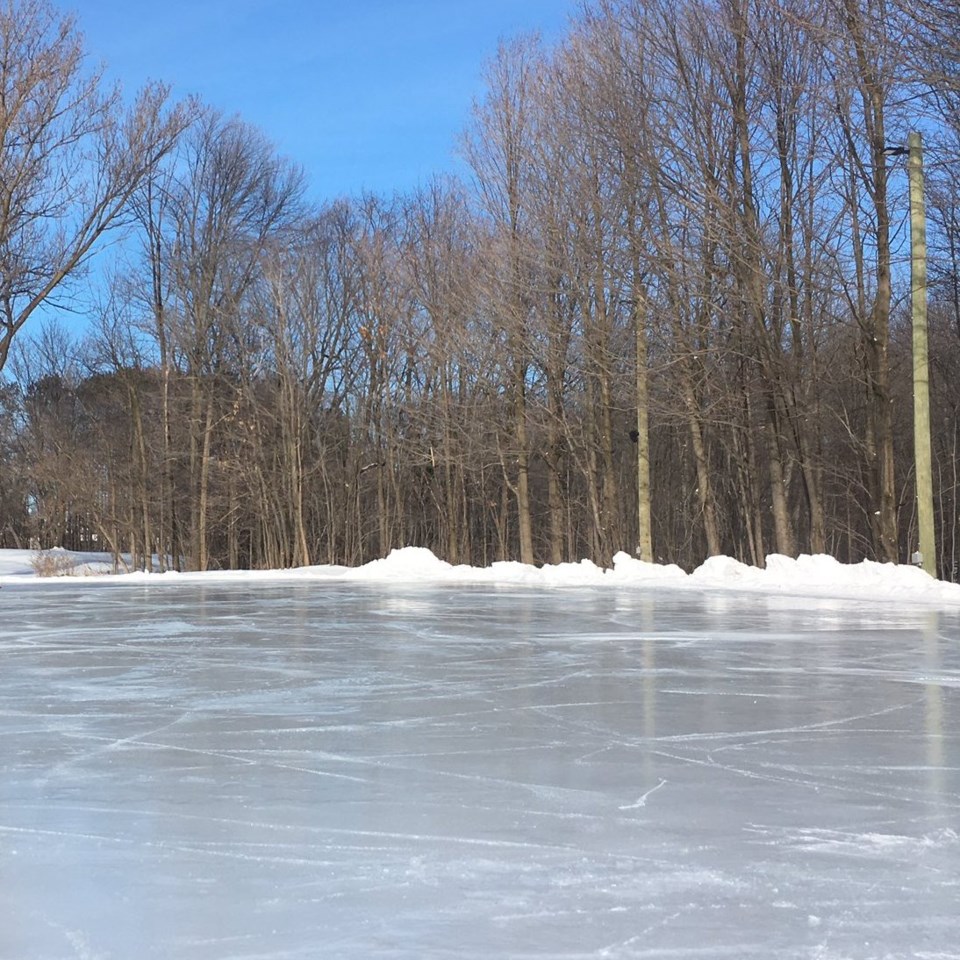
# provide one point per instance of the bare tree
(863, 62)
(71, 156)
(499, 148)
(231, 197)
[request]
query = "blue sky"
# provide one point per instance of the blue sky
(366, 94)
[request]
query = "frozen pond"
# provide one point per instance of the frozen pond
(312, 770)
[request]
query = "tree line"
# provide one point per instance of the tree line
(666, 311)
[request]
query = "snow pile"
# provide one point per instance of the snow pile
(819, 576)
(804, 576)
(411, 563)
(417, 564)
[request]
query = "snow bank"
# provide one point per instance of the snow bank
(824, 576)
(807, 576)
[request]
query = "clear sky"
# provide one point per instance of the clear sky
(365, 94)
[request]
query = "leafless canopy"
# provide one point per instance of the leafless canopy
(71, 155)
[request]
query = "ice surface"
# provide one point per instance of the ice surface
(327, 768)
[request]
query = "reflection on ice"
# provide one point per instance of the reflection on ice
(333, 769)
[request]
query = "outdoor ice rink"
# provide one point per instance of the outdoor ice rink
(341, 770)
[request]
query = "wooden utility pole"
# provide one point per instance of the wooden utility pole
(644, 516)
(921, 366)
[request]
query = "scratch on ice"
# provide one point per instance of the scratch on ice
(642, 802)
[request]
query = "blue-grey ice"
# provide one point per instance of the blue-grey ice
(346, 770)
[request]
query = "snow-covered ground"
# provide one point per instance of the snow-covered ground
(57, 562)
(201, 769)
(810, 576)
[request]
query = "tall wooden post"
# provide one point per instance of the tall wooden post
(921, 366)
(644, 515)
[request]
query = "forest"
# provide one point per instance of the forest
(667, 311)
